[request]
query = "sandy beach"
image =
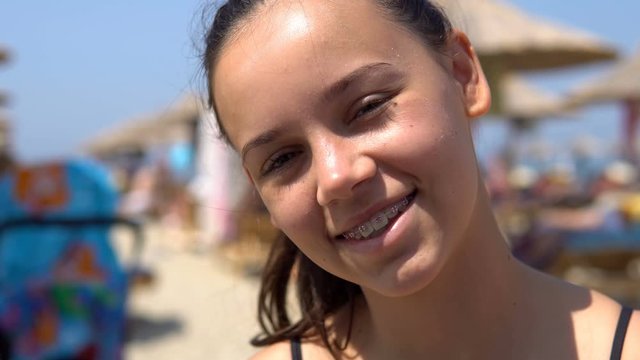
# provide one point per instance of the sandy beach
(199, 306)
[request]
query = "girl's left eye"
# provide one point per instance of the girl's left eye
(372, 106)
(278, 162)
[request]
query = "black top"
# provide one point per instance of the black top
(621, 333)
(296, 350)
(616, 349)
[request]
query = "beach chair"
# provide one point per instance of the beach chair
(63, 289)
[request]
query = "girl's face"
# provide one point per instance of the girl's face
(356, 136)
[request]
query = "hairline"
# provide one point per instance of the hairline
(242, 25)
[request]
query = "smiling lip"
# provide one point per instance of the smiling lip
(378, 222)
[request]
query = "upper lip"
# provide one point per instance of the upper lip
(364, 216)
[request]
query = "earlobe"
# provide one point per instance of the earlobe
(468, 72)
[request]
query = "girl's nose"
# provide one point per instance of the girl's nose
(340, 168)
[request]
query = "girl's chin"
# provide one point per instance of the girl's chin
(407, 278)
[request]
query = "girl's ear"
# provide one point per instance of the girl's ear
(468, 72)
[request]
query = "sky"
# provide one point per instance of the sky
(79, 67)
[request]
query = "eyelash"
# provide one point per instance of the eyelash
(371, 107)
(277, 162)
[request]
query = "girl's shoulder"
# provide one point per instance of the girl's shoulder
(311, 346)
(310, 350)
(274, 351)
(590, 329)
(627, 330)
(604, 323)
(631, 347)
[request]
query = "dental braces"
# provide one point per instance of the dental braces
(377, 222)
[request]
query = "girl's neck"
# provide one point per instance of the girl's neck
(474, 302)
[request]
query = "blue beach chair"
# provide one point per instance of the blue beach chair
(63, 290)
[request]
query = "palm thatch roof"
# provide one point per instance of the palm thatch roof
(4, 55)
(521, 100)
(507, 37)
(620, 82)
(4, 98)
(5, 131)
(167, 126)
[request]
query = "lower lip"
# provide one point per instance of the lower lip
(382, 241)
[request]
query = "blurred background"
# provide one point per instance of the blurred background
(126, 227)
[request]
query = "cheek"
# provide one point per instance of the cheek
(297, 215)
(294, 212)
(437, 150)
(428, 134)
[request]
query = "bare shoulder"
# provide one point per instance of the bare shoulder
(596, 328)
(631, 347)
(630, 338)
(282, 350)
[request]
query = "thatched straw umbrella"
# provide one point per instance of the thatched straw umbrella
(5, 134)
(4, 126)
(6, 159)
(621, 83)
(4, 98)
(521, 100)
(174, 124)
(4, 55)
(504, 35)
(524, 105)
(508, 39)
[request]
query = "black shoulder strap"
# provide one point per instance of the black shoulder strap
(621, 333)
(296, 349)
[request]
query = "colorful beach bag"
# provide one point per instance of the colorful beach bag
(62, 289)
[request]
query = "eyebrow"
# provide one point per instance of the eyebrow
(343, 84)
(332, 92)
(262, 139)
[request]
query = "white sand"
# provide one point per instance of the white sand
(198, 307)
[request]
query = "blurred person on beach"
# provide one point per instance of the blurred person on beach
(352, 119)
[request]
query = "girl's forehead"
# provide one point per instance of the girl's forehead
(292, 18)
(290, 50)
(307, 31)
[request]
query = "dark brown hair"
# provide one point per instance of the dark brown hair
(319, 293)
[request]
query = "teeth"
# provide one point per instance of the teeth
(379, 221)
(403, 205)
(366, 229)
(391, 212)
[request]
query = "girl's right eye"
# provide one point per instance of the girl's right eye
(279, 161)
(371, 106)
